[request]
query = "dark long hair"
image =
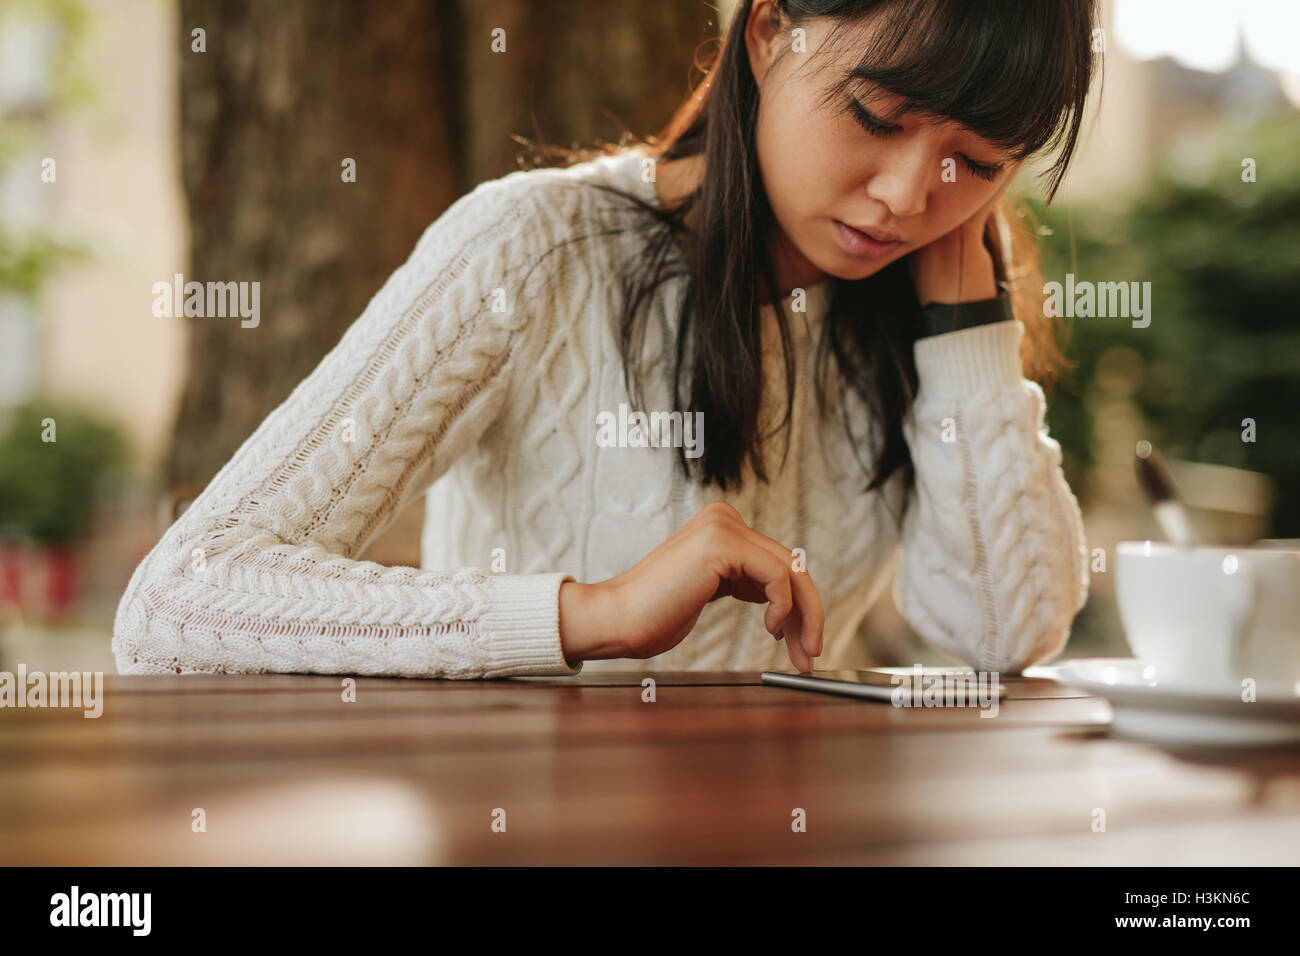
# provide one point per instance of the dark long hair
(1014, 71)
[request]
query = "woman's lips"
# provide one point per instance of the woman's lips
(862, 246)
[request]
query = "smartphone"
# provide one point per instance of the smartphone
(878, 683)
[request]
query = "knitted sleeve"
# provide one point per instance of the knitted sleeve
(260, 573)
(994, 563)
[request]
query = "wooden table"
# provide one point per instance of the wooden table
(280, 769)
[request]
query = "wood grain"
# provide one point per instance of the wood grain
(586, 772)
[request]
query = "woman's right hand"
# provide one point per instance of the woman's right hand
(652, 606)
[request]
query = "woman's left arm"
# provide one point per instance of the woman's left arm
(994, 564)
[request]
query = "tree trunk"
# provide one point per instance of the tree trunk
(410, 90)
(574, 71)
(284, 94)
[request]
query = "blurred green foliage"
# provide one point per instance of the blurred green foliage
(26, 262)
(1223, 259)
(27, 258)
(48, 488)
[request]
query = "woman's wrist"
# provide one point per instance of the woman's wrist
(941, 318)
(570, 602)
(584, 631)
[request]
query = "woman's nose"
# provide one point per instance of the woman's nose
(903, 185)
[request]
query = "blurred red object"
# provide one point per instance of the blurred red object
(40, 581)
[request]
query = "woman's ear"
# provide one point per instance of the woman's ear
(762, 34)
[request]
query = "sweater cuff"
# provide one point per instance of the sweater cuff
(523, 625)
(958, 364)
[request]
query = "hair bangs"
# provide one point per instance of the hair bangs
(1008, 70)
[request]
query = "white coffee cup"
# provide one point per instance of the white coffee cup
(1208, 618)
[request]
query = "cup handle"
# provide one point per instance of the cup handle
(1242, 613)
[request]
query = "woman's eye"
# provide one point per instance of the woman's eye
(869, 122)
(987, 171)
(878, 127)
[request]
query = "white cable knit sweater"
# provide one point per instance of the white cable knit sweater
(477, 373)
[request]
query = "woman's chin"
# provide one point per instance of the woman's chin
(851, 269)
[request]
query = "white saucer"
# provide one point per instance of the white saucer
(1148, 709)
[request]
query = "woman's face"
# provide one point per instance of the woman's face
(906, 182)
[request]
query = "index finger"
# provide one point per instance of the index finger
(808, 601)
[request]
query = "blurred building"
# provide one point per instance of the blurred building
(90, 335)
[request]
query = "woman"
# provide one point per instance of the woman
(851, 156)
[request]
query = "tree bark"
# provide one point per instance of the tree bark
(574, 71)
(284, 94)
(409, 89)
